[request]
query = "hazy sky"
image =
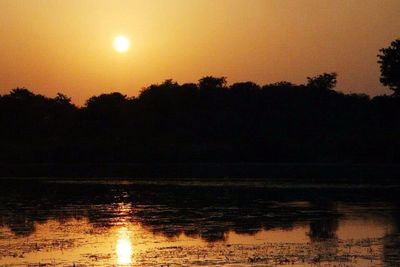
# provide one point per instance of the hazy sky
(52, 46)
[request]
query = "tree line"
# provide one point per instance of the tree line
(209, 121)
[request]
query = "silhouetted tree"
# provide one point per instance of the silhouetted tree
(325, 81)
(190, 86)
(281, 84)
(112, 100)
(244, 87)
(169, 92)
(389, 60)
(21, 93)
(211, 83)
(62, 99)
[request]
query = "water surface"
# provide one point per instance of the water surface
(197, 222)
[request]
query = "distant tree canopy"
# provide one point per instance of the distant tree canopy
(205, 121)
(389, 60)
(106, 101)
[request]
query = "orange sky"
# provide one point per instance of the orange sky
(52, 46)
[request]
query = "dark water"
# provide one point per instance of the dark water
(197, 222)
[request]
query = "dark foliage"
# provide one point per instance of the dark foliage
(389, 60)
(204, 122)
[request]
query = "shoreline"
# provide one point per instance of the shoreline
(311, 172)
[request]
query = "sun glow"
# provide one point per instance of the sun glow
(124, 247)
(121, 44)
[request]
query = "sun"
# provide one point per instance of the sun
(121, 44)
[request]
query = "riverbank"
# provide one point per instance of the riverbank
(379, 173)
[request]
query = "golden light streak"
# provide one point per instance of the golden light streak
(124, 247)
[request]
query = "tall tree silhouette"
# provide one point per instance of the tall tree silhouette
(389, 60)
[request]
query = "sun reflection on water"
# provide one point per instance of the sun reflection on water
(124, 247)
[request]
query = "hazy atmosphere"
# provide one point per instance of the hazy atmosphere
(67, 46)
(200, 133)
